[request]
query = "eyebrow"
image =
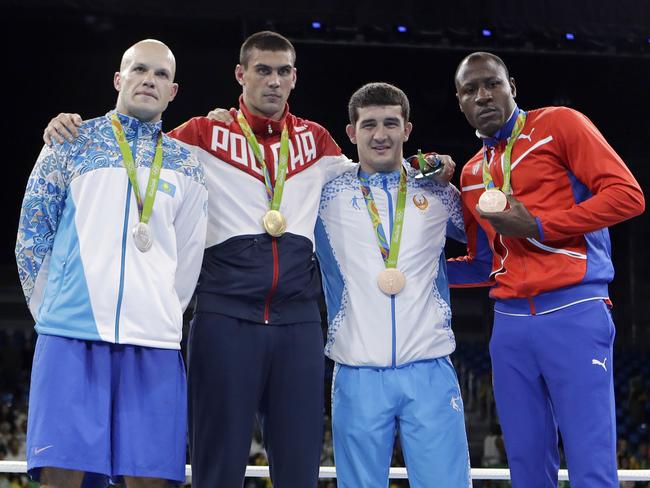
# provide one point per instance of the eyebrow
(156, 70)
(482, 80)
(395, 120)
(262, 65)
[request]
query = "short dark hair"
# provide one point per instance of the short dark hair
(374, 94)
(481, 55)
(265, 41)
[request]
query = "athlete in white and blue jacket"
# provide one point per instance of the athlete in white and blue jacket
(81, 272)
(108, 389)
(391, 351)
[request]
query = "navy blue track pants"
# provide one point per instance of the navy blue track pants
(239, 369)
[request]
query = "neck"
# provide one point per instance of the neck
(503, 132)
(255, 111)
(380, 168)
(142, 117)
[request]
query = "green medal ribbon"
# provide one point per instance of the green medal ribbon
(274, 194)
(144, 210)
(421, 161)
(507, 154)
(388, 253)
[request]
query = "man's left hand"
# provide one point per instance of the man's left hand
(515, 221)
(220, 115)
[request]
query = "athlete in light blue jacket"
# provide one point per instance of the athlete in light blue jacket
(110, 243)
(380, 242)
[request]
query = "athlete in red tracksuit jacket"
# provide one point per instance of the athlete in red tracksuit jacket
(256, 344)
(548, 260)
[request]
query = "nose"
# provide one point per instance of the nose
(380, 134)
(148, 79)
(483, 95)
(274, 79)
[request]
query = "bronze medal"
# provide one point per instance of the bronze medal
(492, 201)
(391, 281)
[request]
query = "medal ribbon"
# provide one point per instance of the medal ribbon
(507, 154)
(274, 194)
(144, 210)
(422, 161)
(388, 253)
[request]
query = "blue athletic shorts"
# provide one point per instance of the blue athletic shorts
(113, 409)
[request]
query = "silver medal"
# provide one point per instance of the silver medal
(142, 237)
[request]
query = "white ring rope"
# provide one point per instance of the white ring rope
(395, 473)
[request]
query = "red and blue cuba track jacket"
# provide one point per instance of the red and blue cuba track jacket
(575, 185)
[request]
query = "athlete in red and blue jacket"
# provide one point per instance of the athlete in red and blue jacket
(547, 259)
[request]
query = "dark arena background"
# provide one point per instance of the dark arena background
(593, 56)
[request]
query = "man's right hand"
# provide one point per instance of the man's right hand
(62, 127)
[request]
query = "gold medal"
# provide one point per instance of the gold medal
(274, 223)
(492, 201)
(391, 281)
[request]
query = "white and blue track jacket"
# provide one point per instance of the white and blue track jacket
(81, 273)
(367, 327)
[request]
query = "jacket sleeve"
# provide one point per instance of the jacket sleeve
(474, 269)
(189, 132)
(455, 224)
(190, 225)
(615, 194)
(39, 219)
(336, 163)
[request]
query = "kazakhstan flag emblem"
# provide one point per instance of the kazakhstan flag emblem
(166, 187)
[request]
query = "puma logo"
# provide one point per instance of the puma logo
(524, 136)
(595, 361)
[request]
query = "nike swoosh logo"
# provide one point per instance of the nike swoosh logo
(38, 450)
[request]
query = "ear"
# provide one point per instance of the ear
(294, 78)
(513, 88)
(352, 133)
(117, 81)
(239, 74)
(173, 92)
(407, 130)
(459, 105)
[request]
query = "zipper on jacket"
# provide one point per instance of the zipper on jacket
(392, 297)
(274, 284)
(125, 233)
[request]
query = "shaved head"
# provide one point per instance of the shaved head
(147, 44)
(145, 82)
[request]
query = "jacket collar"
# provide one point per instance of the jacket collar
(503, 133)
(264, 126)
(135, 127)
